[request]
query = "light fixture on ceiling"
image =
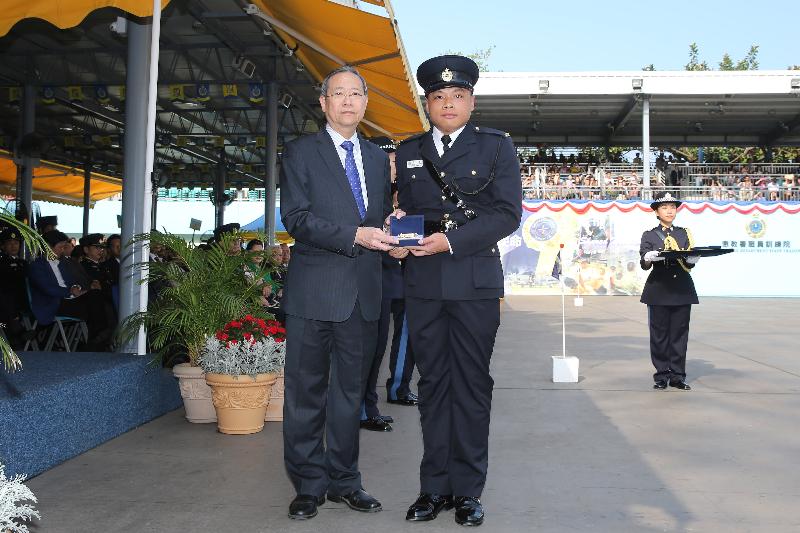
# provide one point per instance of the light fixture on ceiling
(637, 83)
(795, 84)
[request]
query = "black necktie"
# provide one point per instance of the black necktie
(445, 143)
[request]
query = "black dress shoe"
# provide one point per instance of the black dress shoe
(661, 384)
(427, 507)
(376, 424)
(304, 506)
(469, 511)
(387, 418)
(682, 385)
(408, 400)
(358, 500)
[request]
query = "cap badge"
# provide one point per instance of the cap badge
(447, 75)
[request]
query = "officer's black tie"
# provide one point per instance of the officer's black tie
(445, 143)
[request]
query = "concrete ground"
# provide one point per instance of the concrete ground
(607, 454)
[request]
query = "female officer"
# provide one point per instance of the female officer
(669, 293)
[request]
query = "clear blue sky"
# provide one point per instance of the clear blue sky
(581, 35)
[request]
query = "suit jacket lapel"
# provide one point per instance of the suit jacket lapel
(328, 152)
(462, 146)
(373, 174)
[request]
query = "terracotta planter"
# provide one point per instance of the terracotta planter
(241, 401)
(196, 393)
(275, 407)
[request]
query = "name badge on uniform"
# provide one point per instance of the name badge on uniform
(414, 163)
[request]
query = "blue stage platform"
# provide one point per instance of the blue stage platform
(62, 404)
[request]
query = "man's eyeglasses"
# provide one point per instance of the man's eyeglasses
(341, 95)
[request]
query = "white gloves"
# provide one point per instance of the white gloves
(652, 255)
(693, 259)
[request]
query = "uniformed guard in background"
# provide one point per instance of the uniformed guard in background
(466, 182)
(13, 297)
(669, 293)
(45, 224)
(401, 358)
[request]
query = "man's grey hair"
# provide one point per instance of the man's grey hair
(345, 68)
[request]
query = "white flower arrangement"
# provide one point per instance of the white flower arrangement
(12, 512)
(243, 358)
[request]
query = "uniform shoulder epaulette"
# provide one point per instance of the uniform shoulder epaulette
(491, 131)
(413, 137)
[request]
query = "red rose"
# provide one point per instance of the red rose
(222, 336)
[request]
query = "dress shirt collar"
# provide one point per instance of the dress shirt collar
(437, 138)
(338, 139)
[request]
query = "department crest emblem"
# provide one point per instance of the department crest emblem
(447, 75)
(756, 228)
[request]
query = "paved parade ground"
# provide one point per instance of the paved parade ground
(607, 454)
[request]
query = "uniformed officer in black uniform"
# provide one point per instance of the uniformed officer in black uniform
(669, 293)
(13, 300)
(466, 182)
(100, 279)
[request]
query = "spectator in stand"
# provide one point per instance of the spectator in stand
(114, 243)
(45, 224)
(772, 190)
(94, 248)
(54, 292)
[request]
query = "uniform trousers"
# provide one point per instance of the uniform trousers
(453, 343)
(327, 364)
(669, 336)
(401, 358)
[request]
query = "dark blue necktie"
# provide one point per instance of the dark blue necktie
(351, 170)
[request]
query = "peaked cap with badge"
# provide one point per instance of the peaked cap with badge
(447, 71)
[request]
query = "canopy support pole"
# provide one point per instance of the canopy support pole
(87, 194)
(140, 89)
(25, 173)
(271, 178)
(646, 143)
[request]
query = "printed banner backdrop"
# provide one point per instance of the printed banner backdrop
(600, 253)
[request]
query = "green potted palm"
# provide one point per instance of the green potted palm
(36, 245)
(241, 362)
(198, 290)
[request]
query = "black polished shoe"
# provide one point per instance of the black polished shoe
(376, 424)
(387, 418)
(358, 500)
(661, 384)
(304, 506)
(408, 400)
(679, 384)
(427, 507)
(469, 511)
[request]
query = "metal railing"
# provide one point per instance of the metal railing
(636, 192)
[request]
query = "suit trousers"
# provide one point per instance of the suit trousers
(327, 364)
(669, 336)
(453, 343)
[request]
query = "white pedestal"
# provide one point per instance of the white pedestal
(565, 369)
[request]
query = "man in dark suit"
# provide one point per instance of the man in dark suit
(669, 294)
(466, 182)
(334, 200)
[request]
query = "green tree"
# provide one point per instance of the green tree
(694, 61)
(480, 57)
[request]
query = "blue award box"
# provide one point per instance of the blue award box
(409, 229)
